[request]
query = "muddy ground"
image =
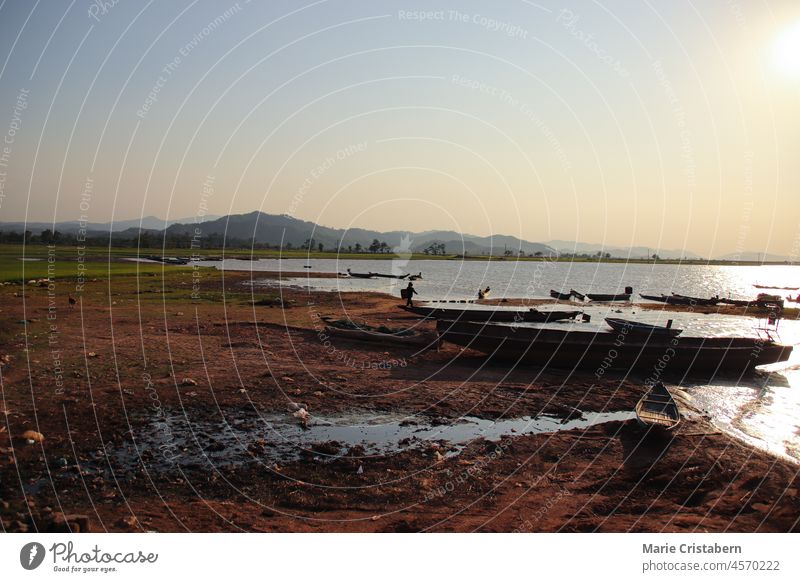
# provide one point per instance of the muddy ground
(96, 380)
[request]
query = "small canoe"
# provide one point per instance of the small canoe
(627, 326)
(657, 408)
(386, 276)
(609, 297)
(562, 296)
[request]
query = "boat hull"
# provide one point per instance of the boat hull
(586, 350)
(488, 315)
(600, 297)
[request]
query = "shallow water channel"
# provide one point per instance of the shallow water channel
(178, 442)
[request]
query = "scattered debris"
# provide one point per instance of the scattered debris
(302, 415)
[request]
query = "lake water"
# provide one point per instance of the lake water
(763, 410)
(462, 279)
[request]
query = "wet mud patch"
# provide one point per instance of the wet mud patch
(177, 442)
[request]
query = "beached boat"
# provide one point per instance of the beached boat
(386, 276)
(574, 347)
(775, 287)
(658, 409)
(361, 275)
(609, 296)
(696, 300)
(676, 299)
(495, 315)
(562, 296)
(737, 302)
(627, 326)
(662, 299)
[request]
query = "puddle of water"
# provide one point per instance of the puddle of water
(177, 441)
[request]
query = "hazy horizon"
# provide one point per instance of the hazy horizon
(669, 127)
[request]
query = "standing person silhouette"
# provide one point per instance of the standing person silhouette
(410, 292)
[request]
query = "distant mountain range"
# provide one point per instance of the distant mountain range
(72, 226)
(283, 230)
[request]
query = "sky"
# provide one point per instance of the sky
(671, 125)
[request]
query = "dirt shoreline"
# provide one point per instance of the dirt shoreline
(132, 352)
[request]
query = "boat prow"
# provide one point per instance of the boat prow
(658, 409)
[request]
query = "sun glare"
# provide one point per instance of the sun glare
(786, 51)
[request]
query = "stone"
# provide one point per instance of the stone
(32, 435)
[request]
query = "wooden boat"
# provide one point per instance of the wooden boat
(676, 299)
(627, 326)
(413, 339)
(762, 302)
(609, 297)
(696, 300)
(775, 287)
(662, 298)
(657, 408)
(562, 296)
(389, 276)
(361, 275)
(737, 302)
(571, 347)
(496, 315)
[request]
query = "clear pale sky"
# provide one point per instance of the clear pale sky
(661, 124)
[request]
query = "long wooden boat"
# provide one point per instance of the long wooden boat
(627, 326)
(495, 315)
(592, 349)
(774, 287)
(361, 275)
(416, 339)
(386, 276)
(562, 296)
(668, 299)
(663, 299)
(609, 296)
(658, 409)
(696, 300)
